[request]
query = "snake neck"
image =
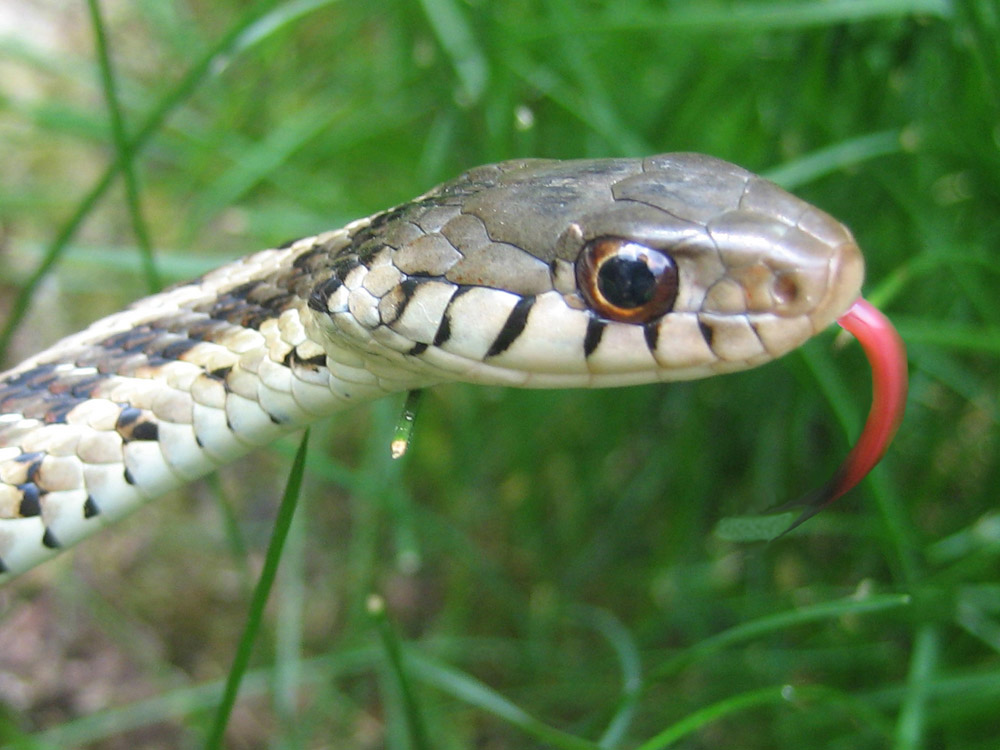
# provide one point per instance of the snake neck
(165, 391)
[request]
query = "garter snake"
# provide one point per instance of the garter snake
(530, 273)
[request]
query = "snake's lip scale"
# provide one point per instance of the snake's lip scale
(534, 273)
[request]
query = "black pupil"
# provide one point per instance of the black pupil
(626, 282)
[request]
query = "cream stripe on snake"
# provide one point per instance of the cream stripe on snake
(475, 281)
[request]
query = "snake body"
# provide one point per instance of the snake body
(531, 273)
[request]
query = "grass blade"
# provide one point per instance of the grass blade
(470, 690)
(173, 99)
(415, 725)
(124, 148)
(262, 591)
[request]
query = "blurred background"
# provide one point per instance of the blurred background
(549, 561)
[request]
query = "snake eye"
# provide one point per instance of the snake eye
(625, 281)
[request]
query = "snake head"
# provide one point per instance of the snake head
(545, 273)
(539, 273)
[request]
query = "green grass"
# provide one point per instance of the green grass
(547, 560)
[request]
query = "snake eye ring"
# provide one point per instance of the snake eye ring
(626, 282)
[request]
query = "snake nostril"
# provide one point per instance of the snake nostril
(786, 290)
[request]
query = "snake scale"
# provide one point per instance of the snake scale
(531, 273)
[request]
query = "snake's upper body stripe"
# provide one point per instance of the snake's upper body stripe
(473, 281)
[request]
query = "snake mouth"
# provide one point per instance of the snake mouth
(846, 272)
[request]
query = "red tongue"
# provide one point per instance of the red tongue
(887, 355)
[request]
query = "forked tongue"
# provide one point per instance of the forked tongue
(887, 355)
